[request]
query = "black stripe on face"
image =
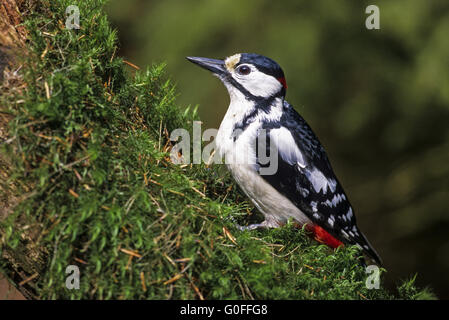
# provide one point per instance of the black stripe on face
(246, 121)
(263, 103)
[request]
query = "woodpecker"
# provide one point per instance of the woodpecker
(304, 186)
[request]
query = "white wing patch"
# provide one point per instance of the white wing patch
(349, 214)
(335, 200)
(286, 146)
(320, 182)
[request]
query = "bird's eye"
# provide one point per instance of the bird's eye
(243, 70)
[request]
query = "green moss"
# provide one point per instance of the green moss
(91, 148)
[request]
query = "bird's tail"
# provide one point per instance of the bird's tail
(363, 242)
(322, 236)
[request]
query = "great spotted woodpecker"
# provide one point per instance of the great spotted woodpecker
(304, 186)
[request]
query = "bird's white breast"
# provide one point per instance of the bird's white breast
(240, 157)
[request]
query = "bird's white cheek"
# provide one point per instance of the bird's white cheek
(260, 84)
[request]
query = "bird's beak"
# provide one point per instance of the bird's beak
(215, 66)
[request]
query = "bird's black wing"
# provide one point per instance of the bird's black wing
(304, 175)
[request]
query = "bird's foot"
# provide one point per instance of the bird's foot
(267, 223)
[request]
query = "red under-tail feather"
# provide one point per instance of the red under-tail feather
(321, 235)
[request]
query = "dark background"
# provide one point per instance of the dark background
(377, 99)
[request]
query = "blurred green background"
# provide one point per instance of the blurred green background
(378, 100)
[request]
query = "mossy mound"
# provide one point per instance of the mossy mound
(88, 146)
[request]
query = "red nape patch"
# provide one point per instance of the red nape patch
(321, 235)
(283, 82)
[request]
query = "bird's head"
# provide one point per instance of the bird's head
(253, 75)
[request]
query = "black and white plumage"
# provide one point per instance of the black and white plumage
(303, 186)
